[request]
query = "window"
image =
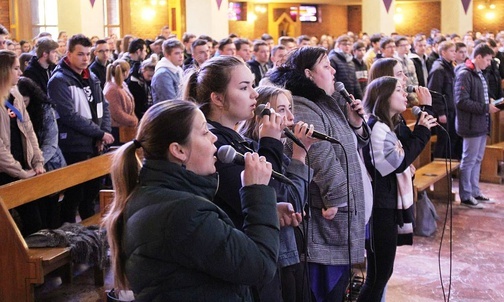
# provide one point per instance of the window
(44, 17)
(111, 18)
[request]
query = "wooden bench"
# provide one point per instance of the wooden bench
(23, 267)
(437, 174)
(489, 166)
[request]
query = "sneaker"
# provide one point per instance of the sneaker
(484, 199)
(472, 203)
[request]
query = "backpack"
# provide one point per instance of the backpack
(426, 216)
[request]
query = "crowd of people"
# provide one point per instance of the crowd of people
(286, 217)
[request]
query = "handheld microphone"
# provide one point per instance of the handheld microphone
(262, 111)
(411, 89)
(344, 93)
(416, 112)
(227, 154)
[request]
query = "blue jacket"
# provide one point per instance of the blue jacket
(48, 140)
(82, 122)
(166, 81)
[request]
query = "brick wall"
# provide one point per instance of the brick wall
(147, 29)
(482, 24)
(334, 22)
(4, 13)
(419, 17)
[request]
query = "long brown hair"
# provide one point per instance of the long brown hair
(377, 100)
(163, 123)
(213, 76)
(382, 67)
(7, 60)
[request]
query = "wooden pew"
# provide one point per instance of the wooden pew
(21, 266)
(489, 166)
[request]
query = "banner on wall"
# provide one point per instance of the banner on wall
(387, 3)
(465, 4)
(92, 2)
(219, 2)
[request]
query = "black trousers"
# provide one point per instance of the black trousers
(80, 197)
(381, 251)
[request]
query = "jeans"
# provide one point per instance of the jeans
(470, 166)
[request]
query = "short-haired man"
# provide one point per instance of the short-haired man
(3, 37)
(62, 48)
(137, 51)
(473, 122)
(303, 40)
(200, 53)
(41, 66)
(419, 59)
(168, 73)
(361, 70)
(441, 80)
(461, 54)
(227, 47)
(259, 65)
(278, 53)
(402, 46)
(187, 40)
(341, 60)
(243, 49)
(373, 51)
(140, 87)
(434, 55)
(165, 32)
(84, 121)
(102, 59)
(288, 42)
(387, 48)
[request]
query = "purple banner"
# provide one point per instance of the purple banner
(466, 3)
(219, 2)
(387, 3)
(92, 2)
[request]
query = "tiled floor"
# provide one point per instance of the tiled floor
(477, 267)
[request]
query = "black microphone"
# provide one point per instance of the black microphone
(411, 89)
(227, 154)
(344, 93)
(262, 111)
(417, 111)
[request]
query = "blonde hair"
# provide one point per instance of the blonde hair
(116, 71)
(266, 94)
(7, 60)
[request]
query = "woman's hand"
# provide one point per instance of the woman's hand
(427, 120)
(272, 125)
(39, 170)
(257, 170)
(355, 111)
(287, 216)
(329, 213)
(424, 96)
(303, 132)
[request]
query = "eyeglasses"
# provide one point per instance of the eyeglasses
(403, 45)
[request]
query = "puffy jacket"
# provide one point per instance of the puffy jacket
(441, 78)
(472, 118)
(179, 246)
(81, 122)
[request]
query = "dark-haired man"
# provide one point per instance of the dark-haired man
(259, 65)
(99, 66)
(40, 67)
(473, 122)
(137, 52)
(84, 121)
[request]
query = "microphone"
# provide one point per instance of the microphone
(416, 112)
(262, 111)
(411, 89)
(344, 93)
(227, 154)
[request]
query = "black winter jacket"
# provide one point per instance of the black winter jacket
(472, 118)
(345, 73)
(441, 79)
(38, 74)
(179, 246)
